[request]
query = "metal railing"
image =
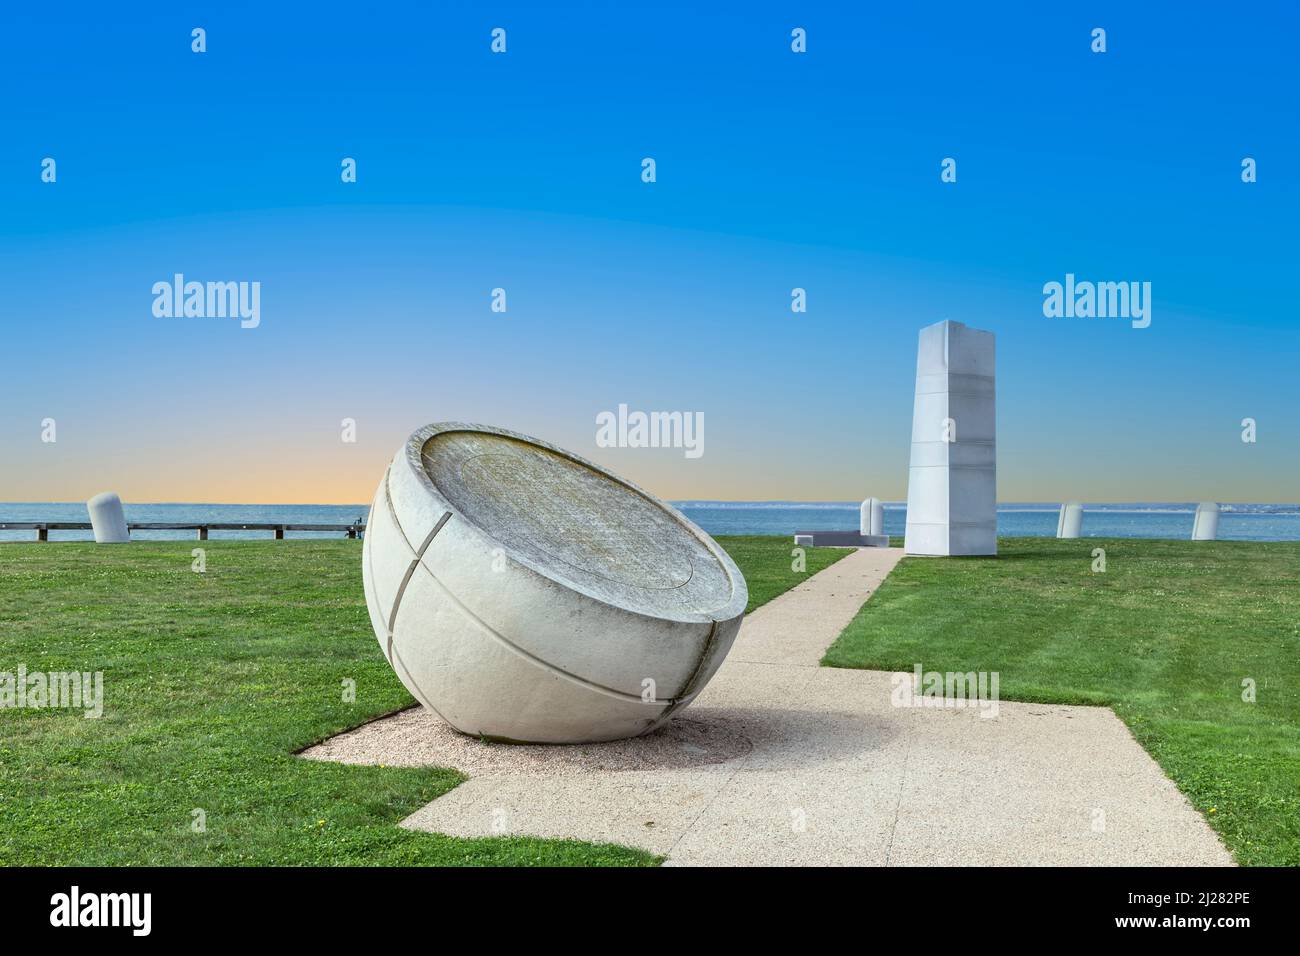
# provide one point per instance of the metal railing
(43, 528)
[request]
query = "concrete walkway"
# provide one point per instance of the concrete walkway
(782, 762)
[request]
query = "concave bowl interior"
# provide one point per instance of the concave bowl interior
(577, 523)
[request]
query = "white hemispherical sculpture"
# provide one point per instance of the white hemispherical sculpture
(525, 594)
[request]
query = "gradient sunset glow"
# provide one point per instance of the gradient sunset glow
(521, 171)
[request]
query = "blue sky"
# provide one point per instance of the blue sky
(522, 171)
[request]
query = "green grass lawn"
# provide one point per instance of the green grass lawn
(767, 564)
(1165, 636)
(211, 682)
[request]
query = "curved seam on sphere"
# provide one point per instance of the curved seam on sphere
(544, 665)
(686, 696)
(368, 567)
(406, 579)
(395, 659)
(377, 612)
(369, 554)
(392, 510)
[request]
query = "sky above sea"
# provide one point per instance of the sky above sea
(522, 171)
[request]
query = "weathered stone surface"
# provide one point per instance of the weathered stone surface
(523, 593)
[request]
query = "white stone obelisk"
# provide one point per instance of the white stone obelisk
(107, 519)
(1205, 527)
(952, 482)
(1070, 524)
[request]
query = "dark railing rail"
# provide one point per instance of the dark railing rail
(43, 528)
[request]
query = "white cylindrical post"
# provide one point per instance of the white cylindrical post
(108, 519)
(1206, 525)
(871, 517)
(1071, 521)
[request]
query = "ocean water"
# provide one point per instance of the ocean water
(1238, 522)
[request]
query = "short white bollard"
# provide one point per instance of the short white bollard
(1071, 521)
(871, 517)
(1206, 525)
(108, 519)
(871, 524)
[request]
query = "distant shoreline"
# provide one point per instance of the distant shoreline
(1153, 520)
(1178, 507)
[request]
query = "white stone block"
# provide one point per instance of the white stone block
(803, 540)
(108, 519)
(525, 594)
(952, 480)
(871, 518)
(1205, 527)
(1070, 523)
